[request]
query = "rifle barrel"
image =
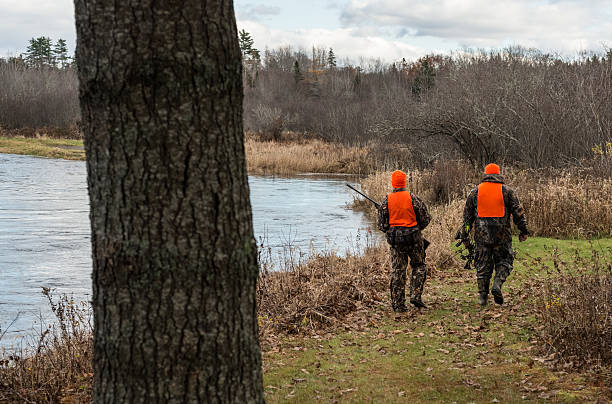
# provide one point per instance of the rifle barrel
(364, 195)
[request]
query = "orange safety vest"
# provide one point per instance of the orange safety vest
(401, 211)
(490, 200)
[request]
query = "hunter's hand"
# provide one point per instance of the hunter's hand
(522, 237)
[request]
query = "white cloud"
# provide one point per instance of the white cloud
(564, 25)
(257, 11)
(22, 20)
(352, 43)
(389, 29)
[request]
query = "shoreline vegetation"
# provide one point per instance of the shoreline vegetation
(326, 328)
(328, 334)
(289, 156)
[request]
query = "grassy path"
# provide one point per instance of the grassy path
(453, 351)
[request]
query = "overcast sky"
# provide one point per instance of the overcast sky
(386, 29)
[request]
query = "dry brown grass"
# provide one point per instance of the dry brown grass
(561, 204)
(68, 132)
(58, 366)
(576, 310)
(567, 204)
(321, 292)
(313, 156)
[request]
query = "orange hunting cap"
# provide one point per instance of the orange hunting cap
(492, 169)
(398, 179)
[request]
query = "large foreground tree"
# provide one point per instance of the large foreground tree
(175, 260)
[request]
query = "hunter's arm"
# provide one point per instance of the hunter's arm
(518, 214)
(420, 209)
(383, 216)
(470, 209)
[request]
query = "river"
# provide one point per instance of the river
(44, 231)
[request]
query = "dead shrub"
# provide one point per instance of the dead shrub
(450, 180)
(58, 364)
(575, 309)
(271, 121)
(68, 132)
(38, 97)
(322, 291)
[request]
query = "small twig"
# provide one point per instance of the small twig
(10, 325)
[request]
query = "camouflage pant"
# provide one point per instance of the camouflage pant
(400, 256)
(499, 257)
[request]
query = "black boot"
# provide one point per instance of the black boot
(417, 302)
(417, 282)
(501, 273)
(496, 290)
(483, 291)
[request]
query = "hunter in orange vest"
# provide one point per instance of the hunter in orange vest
(488, 209)
(402, 216)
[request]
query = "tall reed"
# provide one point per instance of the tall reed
(562, 204)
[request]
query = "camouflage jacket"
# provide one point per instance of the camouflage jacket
(495, 230)
(400, 235)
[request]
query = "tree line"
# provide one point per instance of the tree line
(41, 52)
(514, 105)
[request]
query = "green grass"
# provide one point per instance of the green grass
(43, 147)
(454, 351)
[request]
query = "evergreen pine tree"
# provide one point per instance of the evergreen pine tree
(47, 51)
(246, 43)
(357, 81)
(251, 58)
(33, 55)
(39, 53)
(297, 74)
(331, 58)
(60, 53)
(425, 79)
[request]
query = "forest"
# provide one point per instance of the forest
(515, 105)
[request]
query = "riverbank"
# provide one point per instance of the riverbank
(263, 157)
(67, 149)
(452, 351)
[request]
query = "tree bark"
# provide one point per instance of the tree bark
(175, 260)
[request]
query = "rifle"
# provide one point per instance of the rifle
(464, 238)
(377, 205)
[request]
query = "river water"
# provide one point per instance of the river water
(44, 231)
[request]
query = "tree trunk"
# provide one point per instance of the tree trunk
(175, 260)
